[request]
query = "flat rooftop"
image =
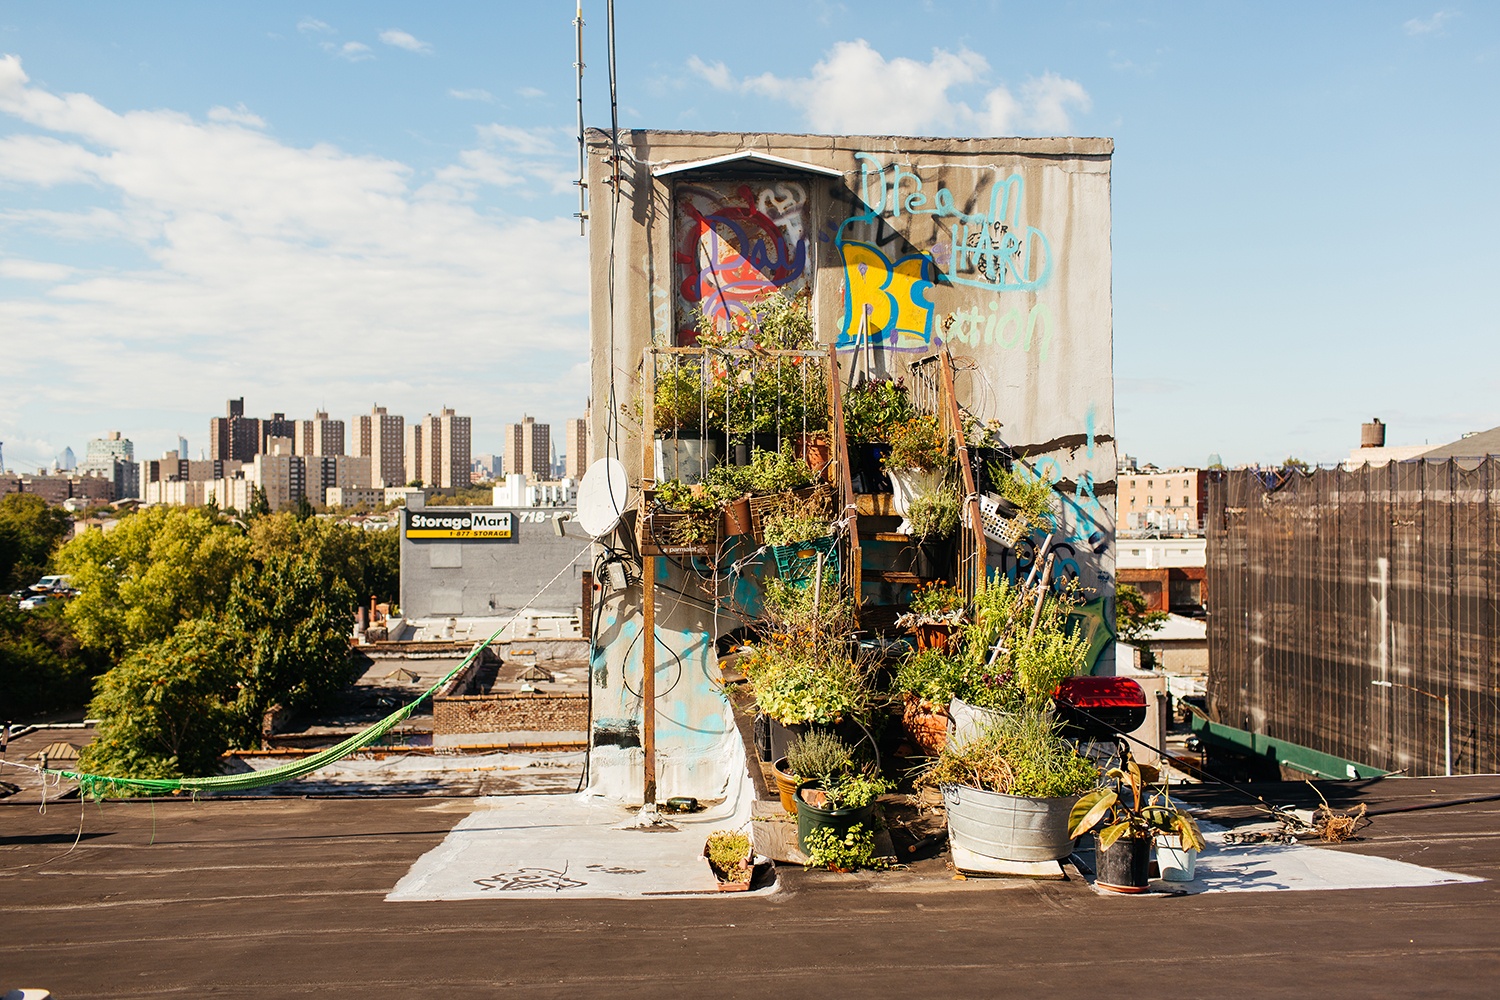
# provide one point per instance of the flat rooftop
(287, 897)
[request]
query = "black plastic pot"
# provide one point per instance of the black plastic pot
(811, 817)
(1124, 866)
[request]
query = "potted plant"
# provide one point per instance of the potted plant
(1124, 818)
(731, 859)
(927, 681)
(937, 609)
(918, 459)
(932, 518)
(1009, 794)
(683, 416)
(1025, 501)
(815, 752)
(871, 410)
(804, 672)
(728, 487)
(1005, 663)
(679, 520)
(838, 793)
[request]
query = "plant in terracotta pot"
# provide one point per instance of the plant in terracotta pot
(1124, 817)
(1010, 792)
(937, 609)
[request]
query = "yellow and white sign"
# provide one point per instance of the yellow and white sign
(458, 524)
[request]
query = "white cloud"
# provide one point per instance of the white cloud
(855, 89)
(352, 51)
(531, 141)
(1429, 25)
(312, 26)
(531, 93)
(237, 115)
(717, 74)
(476, 94)
(237, 264)
(402, 40)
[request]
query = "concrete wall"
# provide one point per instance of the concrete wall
(487, 577)
(996, 248)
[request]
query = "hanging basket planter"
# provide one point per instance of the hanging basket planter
(662, 530)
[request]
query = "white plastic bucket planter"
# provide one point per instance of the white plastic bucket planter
(685, 459)
(1176, 863)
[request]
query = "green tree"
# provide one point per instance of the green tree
(368, 562)
(259, 505)
(168, 710)
(42, 665)
(1293, 462)
(157, 568)
(1134, 622)
(304, 508)
(290, 623)
(30, 531)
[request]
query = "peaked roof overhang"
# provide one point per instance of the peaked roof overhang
(745, 162)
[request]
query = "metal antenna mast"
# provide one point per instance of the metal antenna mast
(582, 181)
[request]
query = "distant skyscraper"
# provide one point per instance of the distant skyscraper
(181, 446)
(319, 436)
(416, 459)
(67, 461)
(576, 447)
(379, 436)
(113, 457)
(445, 443)
(528, 449)
(234, 436)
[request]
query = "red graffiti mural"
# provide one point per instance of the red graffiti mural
(735, 244)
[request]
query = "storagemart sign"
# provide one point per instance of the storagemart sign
(458, 524)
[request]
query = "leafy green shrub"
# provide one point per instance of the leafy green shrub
(1032, 495)
(849, 853)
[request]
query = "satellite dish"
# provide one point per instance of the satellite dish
(603, 496)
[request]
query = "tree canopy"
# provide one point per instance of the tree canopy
(29, 532)
(157, 568)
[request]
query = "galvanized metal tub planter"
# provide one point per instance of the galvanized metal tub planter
(1008, 827)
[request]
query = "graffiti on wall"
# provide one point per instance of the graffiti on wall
(887, 299)
(734, 245)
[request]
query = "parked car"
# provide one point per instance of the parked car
(59, 584)
(36, 600)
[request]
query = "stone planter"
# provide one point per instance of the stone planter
(1008, 827)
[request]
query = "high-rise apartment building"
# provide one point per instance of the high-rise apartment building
(234, 436)
(319, 436)
(380, 436)
(280, 473)
(113, 457)
(324, 472)
(528, 449)
(416, 459)
(576, 445)
(454, 457)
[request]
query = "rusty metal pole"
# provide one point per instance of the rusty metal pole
(648, 593)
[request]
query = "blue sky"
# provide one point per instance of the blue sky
(329, 205)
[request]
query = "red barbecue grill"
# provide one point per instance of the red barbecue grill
(1095, 708)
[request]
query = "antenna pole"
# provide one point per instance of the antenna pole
(614, 104)
(582, 182)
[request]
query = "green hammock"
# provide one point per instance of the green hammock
(99, 785)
